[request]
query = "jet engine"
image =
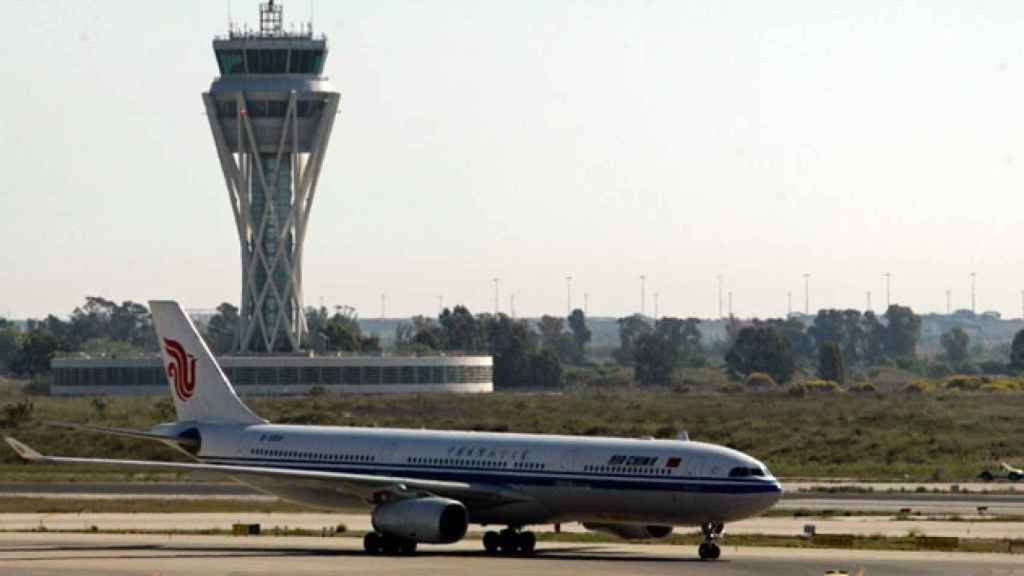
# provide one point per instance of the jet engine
(631, 531)
(430, 520)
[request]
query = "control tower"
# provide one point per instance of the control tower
(271, 112)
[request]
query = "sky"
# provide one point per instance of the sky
(533, 140)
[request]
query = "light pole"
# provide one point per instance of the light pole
(440, 304)
(512, 305)
(496, 282)
(789, 303)
(869, 300)
(568, 296)
(383, 306)
(643, 294)
(807, 294)
(949, 302)
(730, 303)
(655, 307)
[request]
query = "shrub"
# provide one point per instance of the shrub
(864, 388)
(760, 381)
(919, 387)
(819, 386)
(1002, 385)
(964, 382)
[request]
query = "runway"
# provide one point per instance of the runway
(62, 554)
(316, 521)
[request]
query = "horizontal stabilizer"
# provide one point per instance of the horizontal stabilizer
(181, 441)
(24, 451)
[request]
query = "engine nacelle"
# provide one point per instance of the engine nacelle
(430, 520)
(631, 531)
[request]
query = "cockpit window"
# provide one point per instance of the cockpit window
(743, 472)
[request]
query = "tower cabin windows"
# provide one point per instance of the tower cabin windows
(270, 61)
(231, 62)
(270, 109)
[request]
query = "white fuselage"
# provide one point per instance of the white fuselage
(562, 478)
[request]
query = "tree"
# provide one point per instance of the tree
(1017, 351)
(874, 335)
(655, 357)
(545, 369)
(427, 333)
(550, 329)
(510, 343)
(761, 348)
(36, 349)
(830, 363)
(461, 331)
(955, 343)
(684, 337)
(829, 326)
(8, 344)
(343, 333)
(221, 331)
(630, 328)
(580, 331)
(902, 330)
(795, 332)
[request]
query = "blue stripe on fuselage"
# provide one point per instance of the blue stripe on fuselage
(532, 478)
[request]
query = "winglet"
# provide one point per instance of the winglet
(24, 451)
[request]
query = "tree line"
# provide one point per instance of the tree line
(837, 344)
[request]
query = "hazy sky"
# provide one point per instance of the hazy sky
(529, 140)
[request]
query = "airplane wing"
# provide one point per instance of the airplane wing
(369, 487)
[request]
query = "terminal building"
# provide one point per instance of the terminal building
(282, 375)
(271, 113)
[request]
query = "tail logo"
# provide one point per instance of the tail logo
(181, 369)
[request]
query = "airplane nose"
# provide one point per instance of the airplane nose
(775, 494)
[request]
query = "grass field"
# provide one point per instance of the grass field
(940, 436)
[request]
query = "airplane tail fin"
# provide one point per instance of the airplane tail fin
(199, 388)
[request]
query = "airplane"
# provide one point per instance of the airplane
(428, 486)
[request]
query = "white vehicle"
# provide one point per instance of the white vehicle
(424, 486)
(1012, 474)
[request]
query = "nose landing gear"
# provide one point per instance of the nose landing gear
(708, 549)
(509, 541)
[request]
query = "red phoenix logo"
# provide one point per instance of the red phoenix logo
(181, 370)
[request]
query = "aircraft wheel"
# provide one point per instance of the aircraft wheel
(492, 541)
(508, 541)
(527, 542)
(391, 546)
(709, 551)
(407, 547)
(373, 543)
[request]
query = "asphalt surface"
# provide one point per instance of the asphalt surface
(64, 554)
(317, 521)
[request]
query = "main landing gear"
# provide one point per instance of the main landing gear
(377, 543)
(708, 549)
(509, 541)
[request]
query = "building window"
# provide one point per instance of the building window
(332, 375)
(353, 375)
(230, 62)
